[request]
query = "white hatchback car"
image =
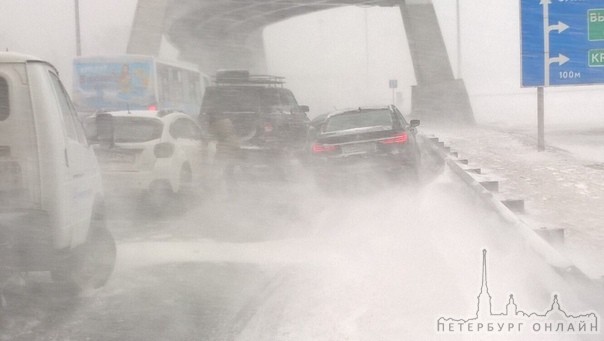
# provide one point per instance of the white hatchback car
(159, 153)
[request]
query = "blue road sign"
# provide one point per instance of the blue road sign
(562, 42)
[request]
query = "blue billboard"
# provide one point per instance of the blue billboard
(113, 84)
(562, 42)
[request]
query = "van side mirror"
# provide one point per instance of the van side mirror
(105, 130)
(304, 108)
(414, 123)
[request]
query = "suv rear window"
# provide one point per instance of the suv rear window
(231, 99)
(359, 119)
(130, 129)
(4, 103)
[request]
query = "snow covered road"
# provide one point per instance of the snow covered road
(290, 263)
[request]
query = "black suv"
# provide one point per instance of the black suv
(255, 117)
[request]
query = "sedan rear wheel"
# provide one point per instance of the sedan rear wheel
(160, 196)
(186, 180)
(186, 194)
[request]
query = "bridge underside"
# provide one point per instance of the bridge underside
(219, 34)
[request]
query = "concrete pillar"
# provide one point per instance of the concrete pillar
(255, 44)
(148, 27)
(438, 96)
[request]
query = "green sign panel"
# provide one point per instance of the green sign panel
(596, 57)
(595, 23)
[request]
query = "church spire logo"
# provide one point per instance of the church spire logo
(555, 320)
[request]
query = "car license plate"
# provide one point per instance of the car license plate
(358, 148)
(117, 157)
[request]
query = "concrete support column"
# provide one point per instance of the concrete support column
(255, 44)
(148, 27)
(437, 95)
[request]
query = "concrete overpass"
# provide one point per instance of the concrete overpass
(217, 34)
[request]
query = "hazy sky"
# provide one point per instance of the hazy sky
(490, 61)
(324, 54)
(354, 70)
(46, 28)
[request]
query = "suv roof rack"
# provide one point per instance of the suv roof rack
(243, 77)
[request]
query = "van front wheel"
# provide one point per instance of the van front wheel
(93, 261)
(89, 265)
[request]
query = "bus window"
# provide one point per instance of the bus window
(176, 86)
(194, 91)
(164, 84)
(4, 104)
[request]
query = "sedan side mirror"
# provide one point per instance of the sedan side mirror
(414, 123)
(304, 108)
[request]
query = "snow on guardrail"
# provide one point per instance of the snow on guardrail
(485, 187)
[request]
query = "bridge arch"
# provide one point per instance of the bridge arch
(228, 34)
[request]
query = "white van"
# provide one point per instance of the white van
(51, 198)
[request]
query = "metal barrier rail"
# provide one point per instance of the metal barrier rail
(555, 259)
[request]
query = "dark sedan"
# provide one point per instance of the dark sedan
(372, 142)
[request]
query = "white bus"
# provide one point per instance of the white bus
(136, 82)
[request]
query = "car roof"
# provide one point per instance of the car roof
(343, 111)
(134, 113)
(159, 114)
(15, 57)
(252, 87)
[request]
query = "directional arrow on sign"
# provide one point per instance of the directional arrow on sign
(561, 59)
(561, 27)
(562, 42)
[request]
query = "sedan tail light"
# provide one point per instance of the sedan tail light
(268, 127)
(318, 148)
(398, 139)
(163, 150)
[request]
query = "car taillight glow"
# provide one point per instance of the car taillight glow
(398, 139)
(163, 150)
(318, 148)
(152, 107)
(268, 127)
